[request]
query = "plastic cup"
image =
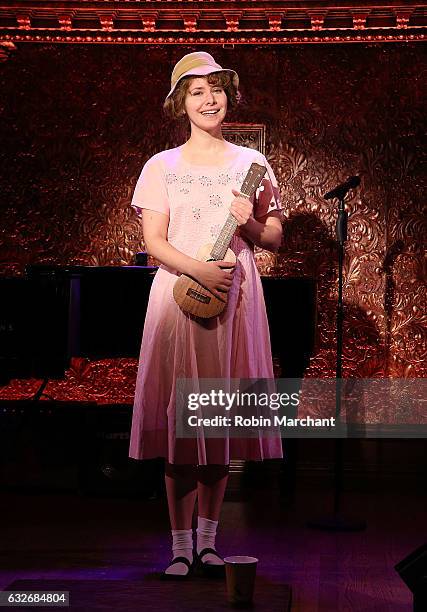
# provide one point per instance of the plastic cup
(240, 572)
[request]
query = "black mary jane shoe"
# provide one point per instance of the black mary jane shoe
(186, 562)
(208, 570)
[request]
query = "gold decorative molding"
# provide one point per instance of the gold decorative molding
(218, 22)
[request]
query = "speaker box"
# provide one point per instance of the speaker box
(413, 571)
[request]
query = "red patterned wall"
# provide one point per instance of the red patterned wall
(80, 121)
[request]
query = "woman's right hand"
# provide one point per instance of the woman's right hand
(217, 276)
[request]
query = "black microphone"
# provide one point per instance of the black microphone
(341, 190)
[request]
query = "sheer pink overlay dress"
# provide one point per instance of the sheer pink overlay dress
(236, 344)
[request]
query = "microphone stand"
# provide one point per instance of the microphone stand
(337, 522)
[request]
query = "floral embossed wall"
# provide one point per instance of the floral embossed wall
(78, 123)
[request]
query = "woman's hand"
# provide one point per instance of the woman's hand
(241, 208)
(217, 276)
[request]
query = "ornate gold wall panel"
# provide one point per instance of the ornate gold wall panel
(102, 381)
(80, 121)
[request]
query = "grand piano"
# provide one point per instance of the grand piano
(55, 313)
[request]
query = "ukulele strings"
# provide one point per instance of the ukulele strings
(200, 288)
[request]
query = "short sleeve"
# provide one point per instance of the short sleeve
(150, 190)
(267, 195)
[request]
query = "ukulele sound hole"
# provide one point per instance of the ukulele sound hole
(198, 296)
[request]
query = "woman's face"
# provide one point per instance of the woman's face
(205, 104)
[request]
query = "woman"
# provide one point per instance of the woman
(184, 196)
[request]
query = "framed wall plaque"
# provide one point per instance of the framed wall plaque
(250, 135)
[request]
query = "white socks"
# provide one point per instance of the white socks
(206, 532)
(182, 546)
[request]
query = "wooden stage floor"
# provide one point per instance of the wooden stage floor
(106, 549)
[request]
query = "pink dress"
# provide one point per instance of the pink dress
(236, 344)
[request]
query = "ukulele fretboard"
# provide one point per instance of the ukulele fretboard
(249, 186)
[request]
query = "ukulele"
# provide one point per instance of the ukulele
(190, 295)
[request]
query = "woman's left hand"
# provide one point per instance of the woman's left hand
(241, 208)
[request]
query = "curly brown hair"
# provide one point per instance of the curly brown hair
(174, 105)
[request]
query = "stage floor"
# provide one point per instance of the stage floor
(97, 543)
